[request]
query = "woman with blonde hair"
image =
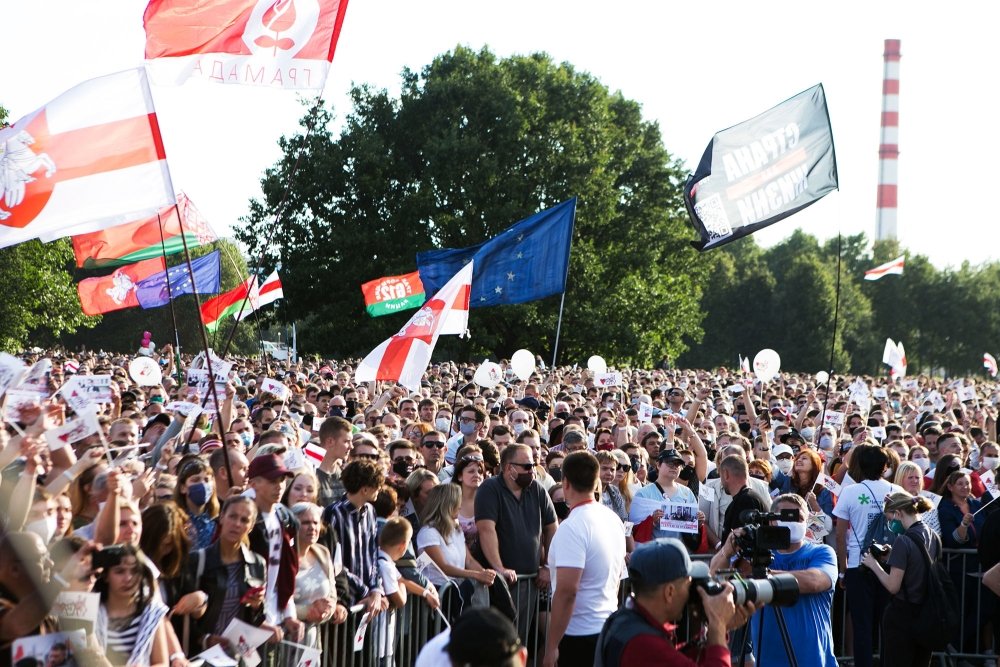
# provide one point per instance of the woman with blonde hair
(916, 547)
(625, 478)
(910, 476)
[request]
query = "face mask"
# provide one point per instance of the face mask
(590, 441)
(888, 473)
(592, 422)
(442, 424)
(687, 473)
(924, 464)
(744, 428)
(785, 465)
(808, 433)
(524, 479)
(796, 530)
(825, 442)
(296, 418)
(402, 468)
(247, 438)
(337, 412)
(394, 434)
(895, 405)
(45, 528)
(990, 462)
(556, 474)
(562, 509)
(896, 526)
(199, 493)
(468, 429)
(635, 463)
(519, 428)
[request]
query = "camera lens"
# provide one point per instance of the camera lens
(780, 590)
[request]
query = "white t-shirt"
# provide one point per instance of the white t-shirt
(273, 527)
(860, 504)
(592, 539)
(453, 551)
(385, 624)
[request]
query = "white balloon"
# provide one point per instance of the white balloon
(145, 371)
(822, 377)
(597, 364)
(488, 375)
(523, 363)
(766, 364)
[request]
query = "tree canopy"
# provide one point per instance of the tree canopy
(473, 144)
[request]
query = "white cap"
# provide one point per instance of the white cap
(778, 450)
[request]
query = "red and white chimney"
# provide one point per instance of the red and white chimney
(888, 150)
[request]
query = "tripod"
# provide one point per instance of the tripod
(760, 573)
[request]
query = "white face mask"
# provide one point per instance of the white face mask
(442, 424)
(825, 442)
(796, 530)
(45, 528)
(785, 465)
(519, 428)
(990, 462)
(923, 464)
(888, 473)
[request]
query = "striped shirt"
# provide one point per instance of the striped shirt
(122, 634)
(356, 531)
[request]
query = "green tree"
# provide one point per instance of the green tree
(473, 144)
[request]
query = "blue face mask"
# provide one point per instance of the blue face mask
(247, 438)
(199, 493)
(468, 429)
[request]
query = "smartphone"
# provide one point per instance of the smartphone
(251, 593)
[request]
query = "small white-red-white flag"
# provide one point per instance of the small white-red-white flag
(278, 43)
(744, 363)
(990, 364)
(405, 356)
(895, 268)
(314, 453)
(269, 292)
(90, 159)
(895, 357)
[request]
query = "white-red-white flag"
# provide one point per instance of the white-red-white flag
(268, 292)
(90, 159)
(895, 356)
(744, 363)
(405, 356)
(895, 268)
(990, 364)
(278, 43)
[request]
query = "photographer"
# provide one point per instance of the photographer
(814, 567)
(642, 631)
(907, 580)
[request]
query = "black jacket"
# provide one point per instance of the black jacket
(214, 580)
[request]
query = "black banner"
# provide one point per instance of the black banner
(762, 170)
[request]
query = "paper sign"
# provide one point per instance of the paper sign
(641, 508)
(833, 418)
(294, 459)
(215, 656)
(707, 492)
(878, 432)
(966, 394)
(97, 388)
(680, 517)
(645, 413)
(955, 384)
(359, 636)
(816, 528)
(934, 498)
(145, 371)
(197, 379)
(911, 385)
(245, 639)
(310, 657)
(608, 379)
(317, 424)
(424, 562)
(627, 525)
(76, 606)
(735, 389)
(183, 408)
(37, 377)
(829, 483)
(36, 647)
(880, 393)
(75, 396)
(72, 431)
(17, 400)
(939, 403)
(12, 371)
(988, 479)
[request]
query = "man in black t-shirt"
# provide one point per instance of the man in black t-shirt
(733, 473)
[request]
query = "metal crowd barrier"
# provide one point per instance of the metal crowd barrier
(395, 638)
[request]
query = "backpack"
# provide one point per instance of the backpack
(937, 618)
(877, 531)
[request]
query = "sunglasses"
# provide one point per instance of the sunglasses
(407, 459)
(366, 457)
(523, 466)
(433, 444)
(623, 468)
(472, 457)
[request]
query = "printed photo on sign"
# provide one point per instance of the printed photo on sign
(680, 517)
(833, 418)
(608, 379)
(55, 648)
(96, 388)
(12, 370)
(18, 402)
(966, 394)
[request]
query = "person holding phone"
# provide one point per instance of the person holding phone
(231, 576)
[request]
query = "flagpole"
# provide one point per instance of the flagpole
(562, 300)
(170, 296)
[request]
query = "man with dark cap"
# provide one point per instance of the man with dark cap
(643, 631)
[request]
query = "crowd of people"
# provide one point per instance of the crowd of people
(299, 495)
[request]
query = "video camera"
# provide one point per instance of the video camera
(757, 538)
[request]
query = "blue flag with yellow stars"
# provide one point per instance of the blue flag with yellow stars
(152, 292)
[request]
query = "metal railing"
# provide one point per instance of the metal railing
(395, 638)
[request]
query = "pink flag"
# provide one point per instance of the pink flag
(895, 268)
(90, 159)
(278, 43)
(405, 356)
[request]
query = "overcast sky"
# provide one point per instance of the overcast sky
(695, 67)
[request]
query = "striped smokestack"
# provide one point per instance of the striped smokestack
(888, 150)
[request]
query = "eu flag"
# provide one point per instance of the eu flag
(525, 262)
(152, 292)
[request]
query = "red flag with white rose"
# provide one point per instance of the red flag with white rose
(90, 159)
(277, 43)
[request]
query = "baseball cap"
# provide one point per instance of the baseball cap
(669, 455)
(792, 435)
(662, 560)
(269, 466)
(778, 450)
(482, 636)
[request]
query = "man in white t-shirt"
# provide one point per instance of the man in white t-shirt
(857, 507)
(587, 557)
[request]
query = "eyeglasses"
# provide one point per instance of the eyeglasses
(524, 466)
(165, 497)
(367, 457)
(435, 444)
(407, 459)
(467, 420)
